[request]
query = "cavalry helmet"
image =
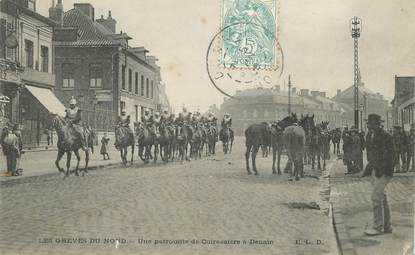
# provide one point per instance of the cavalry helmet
(72, 101)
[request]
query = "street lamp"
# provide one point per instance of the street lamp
(355, 30)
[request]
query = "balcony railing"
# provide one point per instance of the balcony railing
(42, 78)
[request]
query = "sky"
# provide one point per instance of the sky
(314, 35)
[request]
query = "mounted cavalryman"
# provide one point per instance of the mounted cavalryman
(73, 116)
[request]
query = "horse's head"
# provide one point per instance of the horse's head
(58, 122)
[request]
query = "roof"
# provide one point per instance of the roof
(90, 33)
(363, 90)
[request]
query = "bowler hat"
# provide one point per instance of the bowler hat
(374, 118)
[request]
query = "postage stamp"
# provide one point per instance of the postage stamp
(250, 34)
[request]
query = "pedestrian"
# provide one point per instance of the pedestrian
(104, 147)
(355, 151)
(380, 156)
(10, 145)
(399, 146)
(17, 130)
(48, 136)
(411, 149)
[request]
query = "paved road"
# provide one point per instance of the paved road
(205, 200)
(350, 196)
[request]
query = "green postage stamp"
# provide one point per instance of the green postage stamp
(250, 34)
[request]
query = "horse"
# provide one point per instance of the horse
(255, 136)
(320, 145)
(165, 142)
(226, 136)
(197, 142)
(124, 138)
(277, 141)
(68, 142)
(294, 141)
(183, 134)
(145, 140)
(336, 135)
(307, 123)
(211, 138)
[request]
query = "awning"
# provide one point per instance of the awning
(47, 99)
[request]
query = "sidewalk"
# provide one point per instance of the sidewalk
(352, 212)
(42, 162)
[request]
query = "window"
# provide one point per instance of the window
(136, 113)
(136, 84)
(147, 88)
(152, 90)
(142, 85)
(142, 110)
(130, 80)
(245, 113)
(44, 54)
(123, 77)
(10, 53)
(95, 75)
(29, 53)
(255, 113)
(68, 75)
(122, 105)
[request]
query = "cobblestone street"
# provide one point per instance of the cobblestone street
(204, 200)
(352, 209)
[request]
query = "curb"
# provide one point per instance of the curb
(90, 168)
(345, 246)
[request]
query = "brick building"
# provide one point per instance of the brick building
(369, 102)
(403, 104)
(266, 105)
(27, 80)
(98, 67)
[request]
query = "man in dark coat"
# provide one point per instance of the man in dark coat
(381, 160)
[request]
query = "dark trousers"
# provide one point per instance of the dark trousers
(11, 158)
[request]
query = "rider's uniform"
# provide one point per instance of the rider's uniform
(124, 121)
(156, 123)
(74, 117)
(226, 122)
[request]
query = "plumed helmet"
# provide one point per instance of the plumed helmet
(146, 110)
(72, 100)
(157, 113)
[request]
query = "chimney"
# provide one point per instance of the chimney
(109, 22)
(86, 9)
(56, 12)
(314, 93)
(339, 91)
(294, 90)
(152, 60)
(304, 92)
(277, 88)
(141, 52)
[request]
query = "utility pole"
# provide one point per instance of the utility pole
(289, 94)
(356, 29)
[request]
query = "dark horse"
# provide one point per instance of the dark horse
(183, 136)
(69, 142)
(124, 138)
(211, 138)
(255, 136)
(145, 140)
(336, 135)
(226, 136)
(165, 142)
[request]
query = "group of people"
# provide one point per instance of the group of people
(153, 121)
(388, 152)
(354, 143)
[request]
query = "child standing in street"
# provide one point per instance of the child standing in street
(104, 147)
